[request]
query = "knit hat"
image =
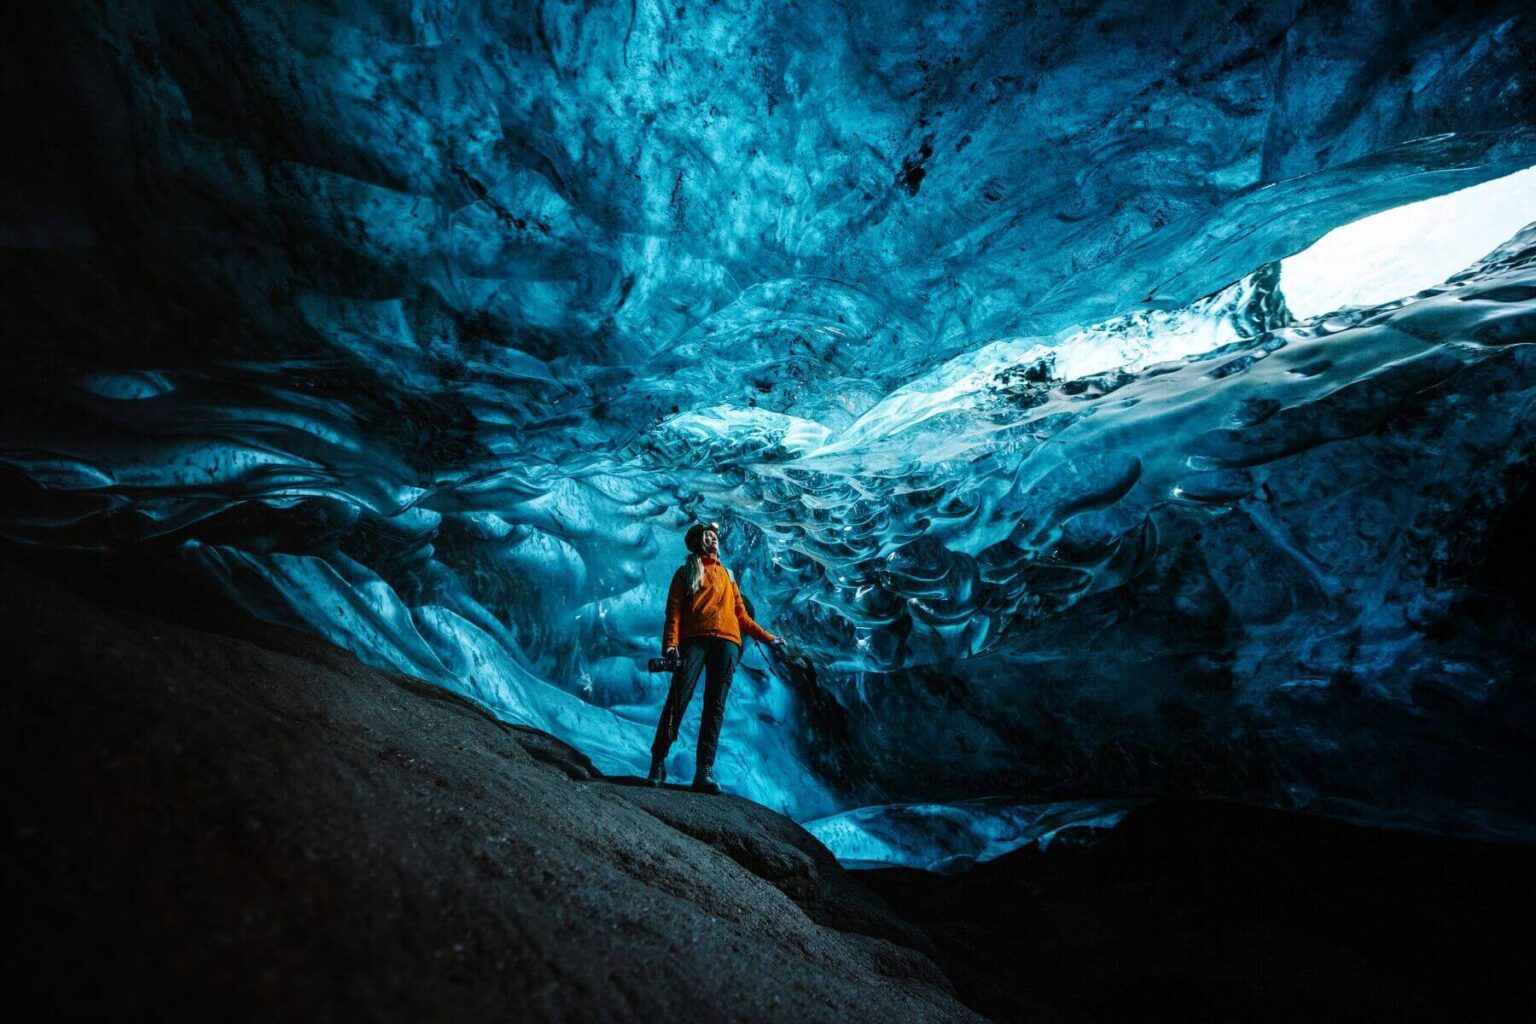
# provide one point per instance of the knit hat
(694, 538)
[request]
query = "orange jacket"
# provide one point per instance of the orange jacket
(715, 610)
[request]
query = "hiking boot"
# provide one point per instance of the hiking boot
(704, 782)
(658, 773)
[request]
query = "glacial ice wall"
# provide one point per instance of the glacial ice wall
(429, 326)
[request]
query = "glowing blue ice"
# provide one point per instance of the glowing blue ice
(996, 343)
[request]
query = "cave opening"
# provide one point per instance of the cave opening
(1406, 249)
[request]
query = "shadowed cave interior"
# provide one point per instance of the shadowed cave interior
(1125, 416)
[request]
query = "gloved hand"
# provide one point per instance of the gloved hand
(777, 641)
(670, 652)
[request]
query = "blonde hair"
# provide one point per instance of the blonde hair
(695, 563)
(693, 570)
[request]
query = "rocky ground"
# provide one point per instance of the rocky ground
(1204, 911)
(217, 818)
(262, 827)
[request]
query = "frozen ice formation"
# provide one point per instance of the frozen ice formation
(948, 838)
(429, 326)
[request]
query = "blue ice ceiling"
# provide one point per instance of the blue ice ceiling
(429, 326)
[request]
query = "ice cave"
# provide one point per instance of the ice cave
(1109, 404)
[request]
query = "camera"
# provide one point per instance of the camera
(663, 664)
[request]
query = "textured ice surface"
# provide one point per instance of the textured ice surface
(952, 837)
(430, 326)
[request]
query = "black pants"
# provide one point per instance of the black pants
(716, 657)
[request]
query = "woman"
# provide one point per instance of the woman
(705, 621)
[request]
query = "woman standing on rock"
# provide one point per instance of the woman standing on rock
(705, 621)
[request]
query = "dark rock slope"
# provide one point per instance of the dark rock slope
(1203, 911)
(221, 819)
(262, 827)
